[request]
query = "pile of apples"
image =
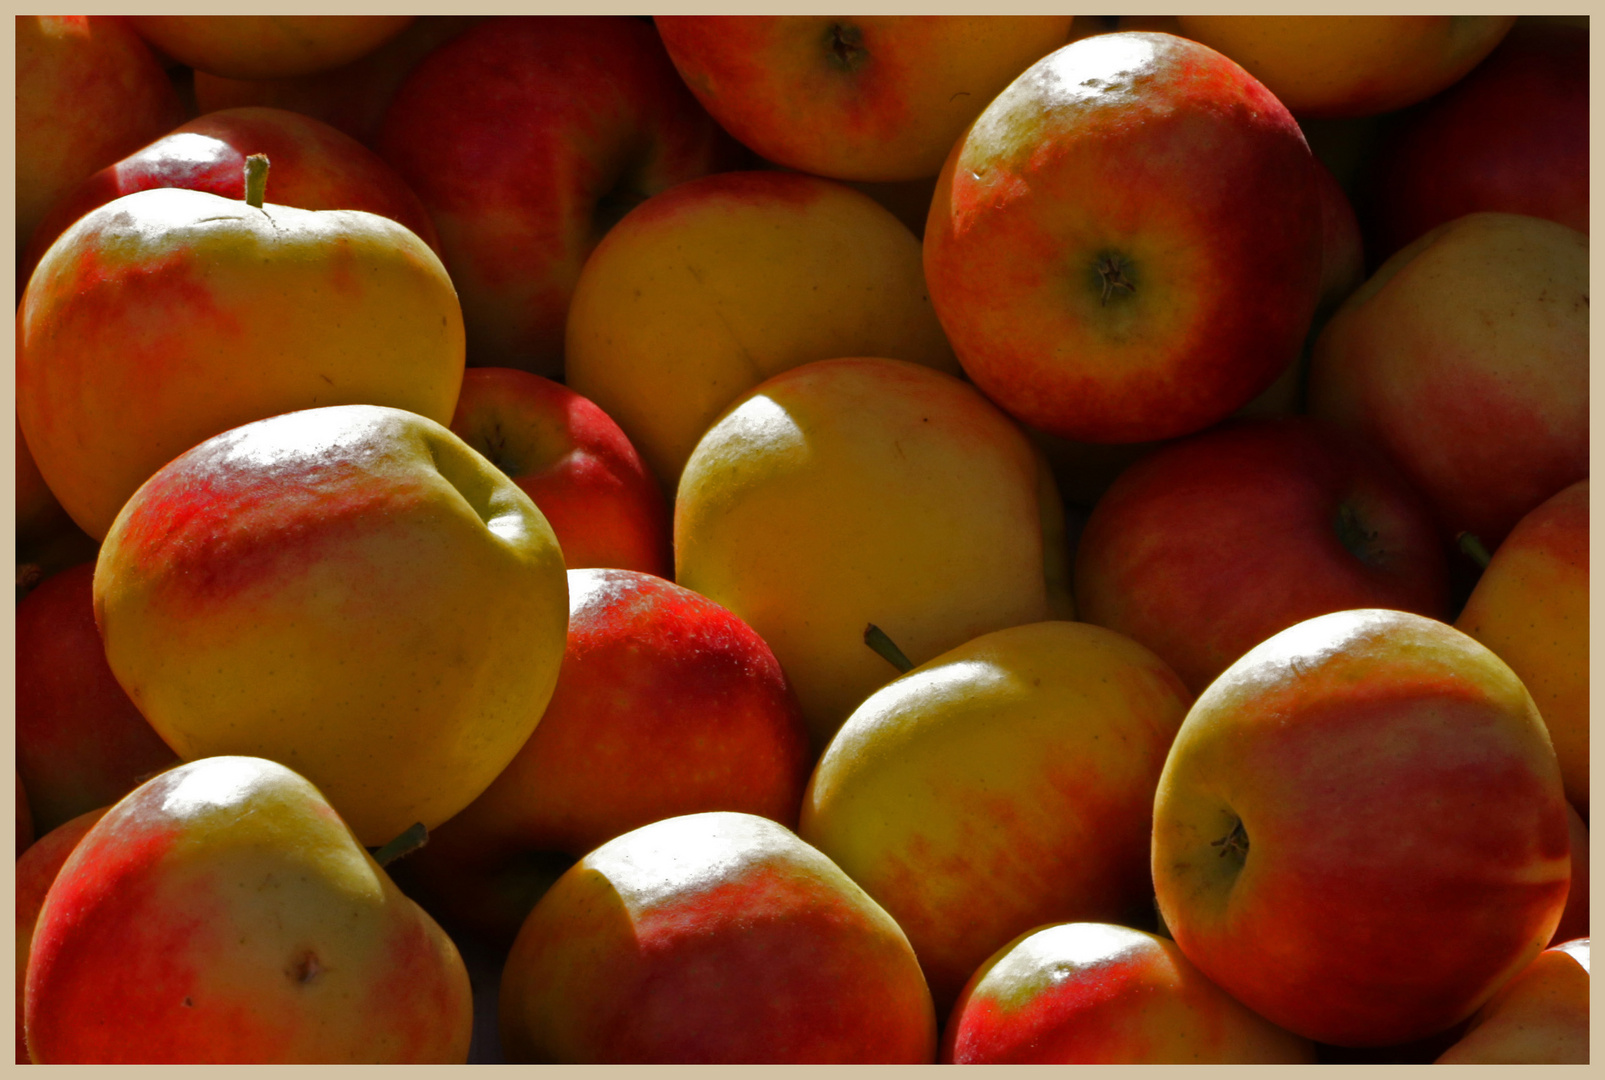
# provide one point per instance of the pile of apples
(802, 539)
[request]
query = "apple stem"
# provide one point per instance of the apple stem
(876, 639)
(411, 839)
(1474, 550)
(256, 171)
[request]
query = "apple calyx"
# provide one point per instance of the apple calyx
(844, 46)
(256, 171)
(1474, 550)
(1110, 269)
(411, 839)
(1234, 841)
(877, 639)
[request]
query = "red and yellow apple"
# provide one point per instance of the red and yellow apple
(1539, 1017)
(574, 461)
(1087, 993)
(36, 870)
(870, 97)
(224, 913)
(715, 938)
(267, 46)
(704, 291)
(1360, 832)
(866, 490)
(1126, 244)
(1007, 783)
(351, 591)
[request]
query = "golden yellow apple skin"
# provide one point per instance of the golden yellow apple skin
(1351, 65)
(350, 591)
(1530, 606)
(1005, 784)
(866, 490)
(704, 291)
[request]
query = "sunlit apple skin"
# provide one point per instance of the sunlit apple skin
(1540, 1017)
(167, 316)
(1360, 832)
(1100, 994)
(1464, 360)
(1510, 136)
(877, 98)
(223, 912)
(268, 46)
(351, 591)
(1530, 606)
(36, 870)
(1351, 65)
(315, 167)
(89, 91)
(866, 490)
(666, 704)
(603, 123)
(568, 455)
(705, 290)
(1212, 543)
(1126, 244)
(1007, 783)
(712, 938)
(81, 743)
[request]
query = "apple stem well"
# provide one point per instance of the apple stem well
(845, 45)
(256, 172)
(877, 639)
(411, 839)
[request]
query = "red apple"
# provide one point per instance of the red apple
(1211, 544)
(36, 870)
(712, 938)
(869, 97)
(268, 46)
(88, 91)
(1574, 919)
(25, 829)
(1540, 1017)
(575, 462)
(1099, 994)
(81, 743)
(1511, 136)
(315, 167)
(1360, 832)
(527, 138)
(1126, 245)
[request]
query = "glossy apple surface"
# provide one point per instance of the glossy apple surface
(1126, 244)
(712, 938)
(1360, 832)
(351, 591)
(223, 912)
(1007, 783)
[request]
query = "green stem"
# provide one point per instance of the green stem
(876, 639)
(1474, 549)
(410, 840)
(256, 170)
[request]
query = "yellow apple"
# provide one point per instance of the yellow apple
(865, 490)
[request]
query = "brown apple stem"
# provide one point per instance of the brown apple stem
(1474, 550)
(411, 839)
(876, 639)
(256, 170)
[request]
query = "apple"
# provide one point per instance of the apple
(1360, 832)
(1351, 65)
(36, 870)
(25, 828)
(167, 316)
(574, 461)
(1464, 359)
(603, 123)
(1126, 244)
(351, 97)
(1510, 136)
(1088, 993)
(1214, 542)
(80, 742)
(703, 291)
(315, 167)
(1007, 783)
(88, 91)
(873, 97)
(1530, 606)
(712, 938)
(1540, 1017)
(223, 912)
(351, 591)
(267, 46)
(868, 490)
(1574, 919)
(666, 704)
